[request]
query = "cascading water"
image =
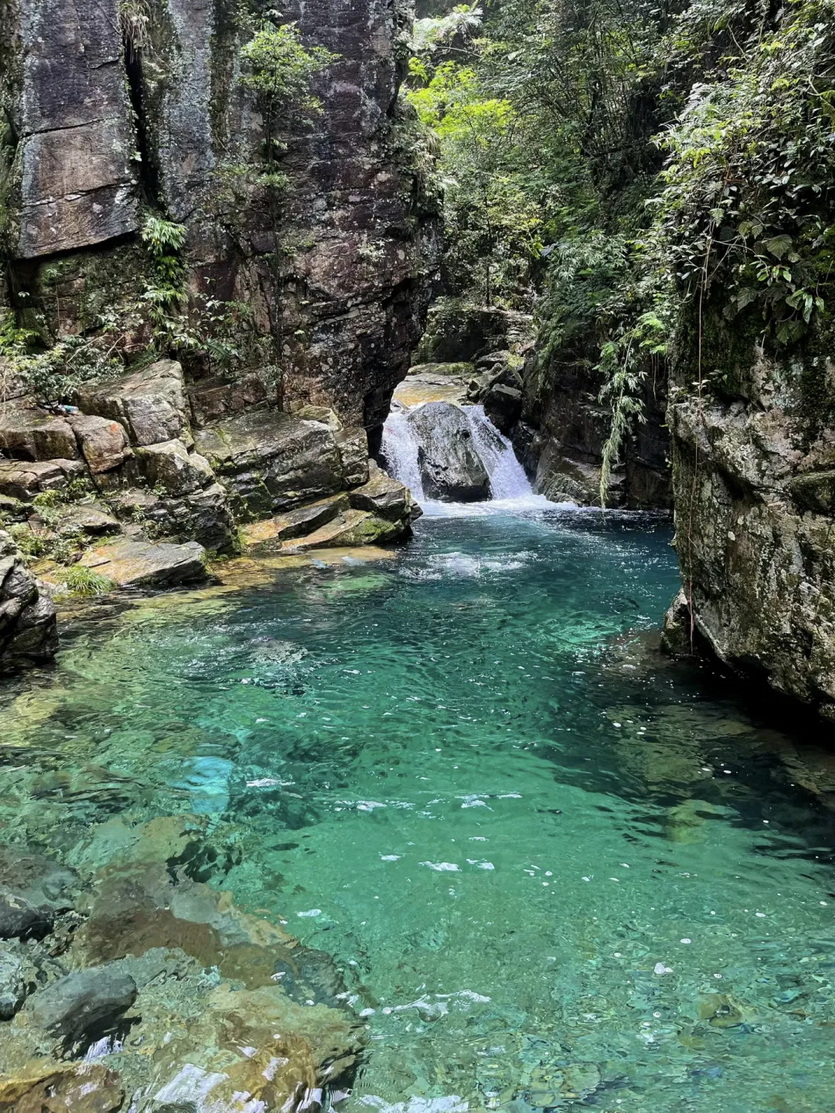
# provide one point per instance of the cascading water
(403, 448)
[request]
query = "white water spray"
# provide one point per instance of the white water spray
(510, 488)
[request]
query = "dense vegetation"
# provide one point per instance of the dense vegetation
(636, 165)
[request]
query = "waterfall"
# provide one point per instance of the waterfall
(404, 452)
(507, 476)
(400, 452)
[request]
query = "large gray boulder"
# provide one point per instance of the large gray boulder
(271, 461)
(28, 632)
(449, 464)
(150, 403)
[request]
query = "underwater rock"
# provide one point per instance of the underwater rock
(28, 631)
(49, 1087)
(254, 1049)
(84, 1006)
(17, 975)
(449, 464)
(33, 891)
(142, 564)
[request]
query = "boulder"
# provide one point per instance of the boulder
(449, 464)
(28, 630)
(149, 403)
(28, 432)
(271, 532)
(103, 442)
(21, 480)
(33, 891)
(503, 406)
(385, 497)
(352, 446)
(204, 516)
(92, 519)
(270, 460)
(352, 528)
(145, 564)
(170, 468)
(84, 1006)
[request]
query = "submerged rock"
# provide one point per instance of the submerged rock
(84, 1006)
(16, 979)
(449, 465)
(48, 1087)
(33, 891)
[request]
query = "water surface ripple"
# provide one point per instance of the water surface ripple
(558, 872)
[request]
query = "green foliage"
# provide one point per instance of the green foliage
(164, 242)
(749, 186)
(279, 68)
(52, 373)
(493, 220)
(85, 582)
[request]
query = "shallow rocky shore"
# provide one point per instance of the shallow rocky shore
(127, 491)
(127, 981)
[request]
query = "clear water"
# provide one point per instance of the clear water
(558, 874)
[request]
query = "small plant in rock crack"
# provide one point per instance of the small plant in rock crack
(85, 582)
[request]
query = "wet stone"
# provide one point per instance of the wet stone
(16, 979)
(84, 1006)
(33, 891)
(47, 1087)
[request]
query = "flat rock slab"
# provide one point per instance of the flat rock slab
(22, 480)
(353, 527)
(272, 532)
(148, 564)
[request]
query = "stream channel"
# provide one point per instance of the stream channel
(556, 870)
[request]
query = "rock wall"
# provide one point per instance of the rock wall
(310, 268)
(754, 474)
(568, 427)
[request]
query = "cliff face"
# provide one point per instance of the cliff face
(570, 428)
(754, 476)
(305, 235)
